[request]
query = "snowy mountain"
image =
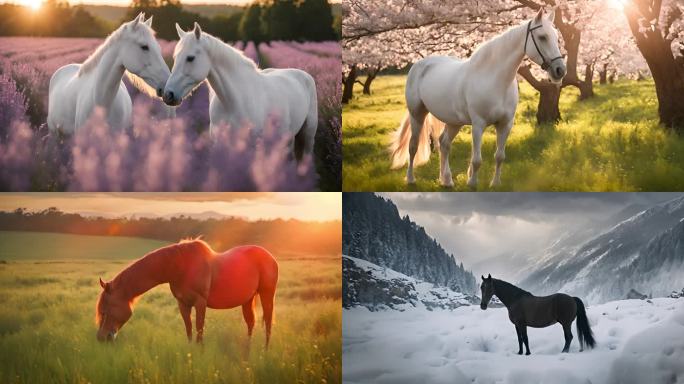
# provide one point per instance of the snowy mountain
(373, 230)
(643, 252)
(374, 287)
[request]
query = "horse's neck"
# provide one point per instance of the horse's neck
(144, 275)
(108, 75)
(501, 57)
(229, 78)
(507, 293)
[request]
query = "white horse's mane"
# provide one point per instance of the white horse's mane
(94, 59)
(485, 50)
(223, 53)
(91, 62)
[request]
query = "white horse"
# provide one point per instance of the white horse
(240, 93)
(479, 91)
(76, 89)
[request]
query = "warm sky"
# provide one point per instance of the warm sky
(310, 206)
(477, 226)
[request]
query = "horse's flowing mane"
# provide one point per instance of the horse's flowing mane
(223, 53)
(91, 62)
(486, 50)
(510, 292)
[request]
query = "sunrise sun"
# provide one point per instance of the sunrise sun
(33, 4)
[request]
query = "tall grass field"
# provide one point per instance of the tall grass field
(611, 142)
(49, 286)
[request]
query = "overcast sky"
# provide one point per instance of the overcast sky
(311, 206)
(477, 226)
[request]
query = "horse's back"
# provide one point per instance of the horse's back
(239, 273)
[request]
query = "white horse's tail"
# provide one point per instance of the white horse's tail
(399, 147)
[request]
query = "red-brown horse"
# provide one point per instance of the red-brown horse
(198, 277)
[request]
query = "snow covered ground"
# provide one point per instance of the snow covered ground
(638, 342)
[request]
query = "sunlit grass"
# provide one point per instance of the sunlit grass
(47, 330)
(609, 143)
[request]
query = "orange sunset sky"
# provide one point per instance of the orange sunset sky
(310, 206)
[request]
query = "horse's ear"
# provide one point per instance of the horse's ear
(489, 277)
(482, 276)
(137, 20)
(104, 285)
(198, 31)
(537, 19)
(149, 21)
(180, 31)
(552, 14)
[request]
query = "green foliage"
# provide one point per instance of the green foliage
(47, 330)
(611, 142)
(250, 25)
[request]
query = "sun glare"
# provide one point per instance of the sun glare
(33, 4)
(617, 4)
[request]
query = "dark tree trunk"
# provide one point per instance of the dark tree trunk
(603, 74)
(369, 80)
(549, 95)
(611, 77)
(348, 85)
(586, 87)
(667, 74)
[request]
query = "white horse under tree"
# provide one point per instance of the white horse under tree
(444, 94)
(240, 93)
(76, 89)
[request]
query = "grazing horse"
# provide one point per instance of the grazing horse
(444, 94)
(76, 89)
(242, 94)
(198, 277)
(525, 310)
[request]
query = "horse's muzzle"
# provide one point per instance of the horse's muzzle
(171, 99)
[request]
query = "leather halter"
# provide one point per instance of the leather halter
(545, 63)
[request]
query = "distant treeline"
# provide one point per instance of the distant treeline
(291, 237)
(304, 20)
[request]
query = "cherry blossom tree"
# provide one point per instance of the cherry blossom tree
(658, 30)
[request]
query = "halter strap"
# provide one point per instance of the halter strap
(545, 63)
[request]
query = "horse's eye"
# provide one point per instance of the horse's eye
(542, 38)
(190, 59)
(145, 47)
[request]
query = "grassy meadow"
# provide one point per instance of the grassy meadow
(611, 142)
(49, 286)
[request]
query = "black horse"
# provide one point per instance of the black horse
(525, 309)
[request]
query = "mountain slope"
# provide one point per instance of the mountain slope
(373, 230)
(628, 255)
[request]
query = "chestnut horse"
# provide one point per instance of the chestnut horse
(198, 277)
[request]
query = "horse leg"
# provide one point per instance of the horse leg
(527, 344)
(445, 140)
(518, 331)
(185, 314)
(568, 337)
(416, 120)
(267, 299)
(503, 129)
(248, 314)
(200, 310)
(476, 159)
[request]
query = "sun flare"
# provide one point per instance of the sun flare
(617, 4)
(33, 4)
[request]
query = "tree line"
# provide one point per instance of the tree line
(293, 237)
(263, 21)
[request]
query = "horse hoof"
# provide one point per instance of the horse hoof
(447, 182)
(519, 352)
(527, 353)
(495, 183)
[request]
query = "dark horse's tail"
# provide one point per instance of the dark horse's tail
(583, 330)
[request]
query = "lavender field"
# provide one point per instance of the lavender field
(158, 153)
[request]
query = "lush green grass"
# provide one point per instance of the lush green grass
(47, 329)
(611, 142)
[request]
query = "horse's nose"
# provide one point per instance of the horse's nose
(160, 91)
(560, 71)
(169, 97)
